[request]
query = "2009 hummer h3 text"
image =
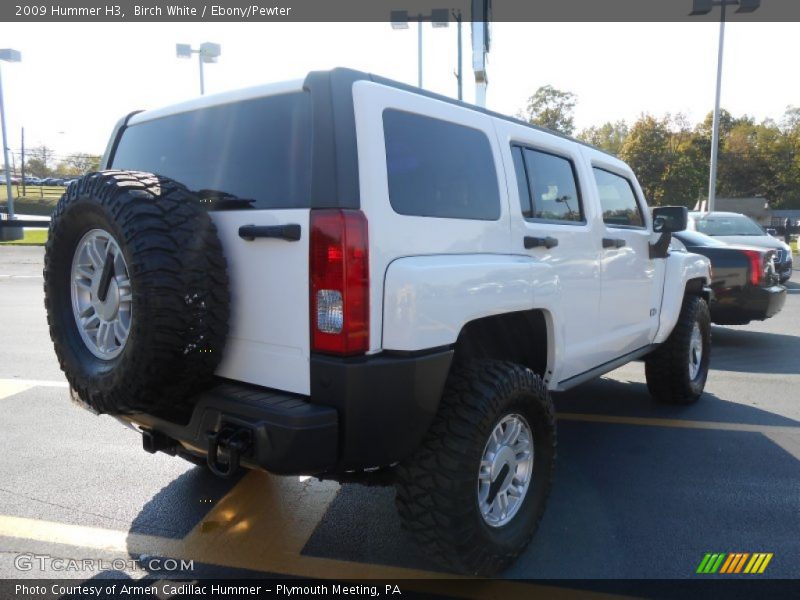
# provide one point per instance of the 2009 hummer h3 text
(347, 277)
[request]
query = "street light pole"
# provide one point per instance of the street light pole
(712, 176)
(439, 17)
(703, 7)
(9, 192)
(208, 52)
(9, 55)
(419, 53)
(202, 80)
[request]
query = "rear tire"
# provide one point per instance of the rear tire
(154, 246)
(439, 495)
(677, 371)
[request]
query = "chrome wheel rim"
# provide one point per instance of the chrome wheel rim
(101, 294)
(506, 470)
(695, 351)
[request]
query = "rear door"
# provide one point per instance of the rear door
(248, 155)
(554, 224)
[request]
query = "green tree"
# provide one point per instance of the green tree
(646, 151)
(78, 164)
(668, 159)
(608, 136)
(551, 108)
(36, 168)
(39, 159)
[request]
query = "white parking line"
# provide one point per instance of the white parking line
(10, 387)
(2, 276)
(37, 382)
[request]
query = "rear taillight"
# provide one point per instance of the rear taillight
(757, 266)
(339, 274)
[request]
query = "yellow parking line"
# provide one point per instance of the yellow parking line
(262, 524)
(277, 560)
(654, 422)
(96, 538)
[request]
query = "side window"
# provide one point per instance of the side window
(617, 199)
(548, 186)
(439, 169)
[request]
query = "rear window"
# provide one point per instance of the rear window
(258, 150)
(729, 225)
(439, 169)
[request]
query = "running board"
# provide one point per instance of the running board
(580, 378)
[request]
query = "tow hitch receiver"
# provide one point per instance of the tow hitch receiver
(154, 441)
(226, 447)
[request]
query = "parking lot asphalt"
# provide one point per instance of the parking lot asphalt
(641, 490)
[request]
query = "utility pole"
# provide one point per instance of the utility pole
(481, 14)
(22, 150)
(459, 71)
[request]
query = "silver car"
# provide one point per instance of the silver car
(736, 228)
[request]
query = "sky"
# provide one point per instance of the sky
(76, 80)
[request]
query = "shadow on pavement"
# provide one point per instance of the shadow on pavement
(606, 396)
(629, 501)
(749, 351)
(179, 506)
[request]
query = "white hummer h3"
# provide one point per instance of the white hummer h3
(348, 277)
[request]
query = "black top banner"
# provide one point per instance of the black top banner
(412, 10)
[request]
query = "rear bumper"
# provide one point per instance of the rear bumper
(747, 304)
(364, 412)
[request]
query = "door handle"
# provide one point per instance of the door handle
(613, 243)
(289, 232)
(538, 242)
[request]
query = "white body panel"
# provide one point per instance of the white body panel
(600, 304)
(269, 340)
(429, 299)
(680, 267)
(392, 235)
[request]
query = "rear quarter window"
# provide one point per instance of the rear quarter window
(439, 169)
(257, 149)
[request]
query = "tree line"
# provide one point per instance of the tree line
(41, 162)
(670, 155)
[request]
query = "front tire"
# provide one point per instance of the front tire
(494, 437)
(677, 371)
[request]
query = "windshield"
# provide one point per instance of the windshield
(694, 238)
(733, 225)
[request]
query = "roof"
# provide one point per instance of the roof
(345, 73)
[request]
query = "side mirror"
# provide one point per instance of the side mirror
(669, 219)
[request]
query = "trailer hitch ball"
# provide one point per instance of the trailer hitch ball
(226, 447)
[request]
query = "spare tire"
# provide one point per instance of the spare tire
(136, 292)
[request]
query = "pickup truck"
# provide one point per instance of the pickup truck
(347, 277)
